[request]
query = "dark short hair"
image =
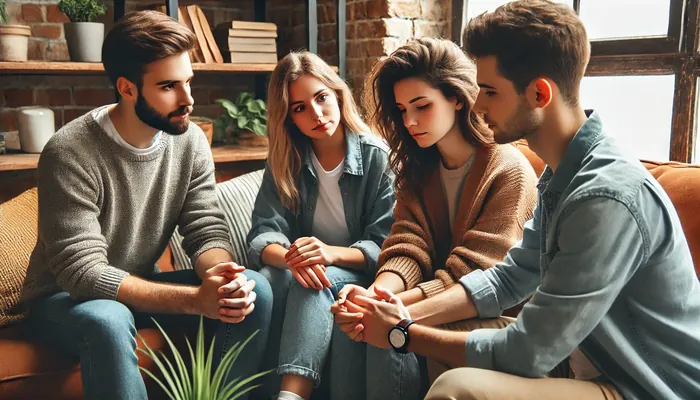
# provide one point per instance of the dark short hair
(140, 38)
(532, 39)
(444, 66)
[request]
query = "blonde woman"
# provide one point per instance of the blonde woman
(322, 213)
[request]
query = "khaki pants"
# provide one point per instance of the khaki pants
(482, 384)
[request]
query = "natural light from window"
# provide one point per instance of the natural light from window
(605, 19)
(637, 110)
(476, 7)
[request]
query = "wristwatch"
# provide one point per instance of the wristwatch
(398, 336)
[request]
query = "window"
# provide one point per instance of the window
(643, 76)
(476, 7)
(605, 19)
(636, 110)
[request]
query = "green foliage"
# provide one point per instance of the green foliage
(177, 382)
(247, 114)
(3, 12)
(82, 10)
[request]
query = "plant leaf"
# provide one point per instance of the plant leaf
(241, 121)
(230, 108)
(253, 106)
(258, 128)
(182, 377)
(165, 389)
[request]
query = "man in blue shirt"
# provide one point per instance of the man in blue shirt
(604, 258)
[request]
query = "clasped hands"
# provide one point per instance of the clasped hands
(226, 293)
(307, 259)
(367, 315)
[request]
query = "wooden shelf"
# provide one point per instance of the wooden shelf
(222, 154)
(79, 68)
(14, 162)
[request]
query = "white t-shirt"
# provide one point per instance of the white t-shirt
(452, 183)
(329, 218)
(101, 116)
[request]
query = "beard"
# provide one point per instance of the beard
(149, 116)
(522, 124)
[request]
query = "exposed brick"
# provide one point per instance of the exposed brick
(71, 114)
(19, 97)
(49, 31)
(378, 9)
(14, 12)
(37, 49)
(404, 8)
(354, 49)
(427, 29)
(369, 62)
(32, 13)
(391, 44)
(53, 14)
(355, 65)
(8, 120)
(397, 27)
(374, 47)
(57, 117)
(57, 50)
(433, 10)
(93, 97)
(52, 97)
(326, 32)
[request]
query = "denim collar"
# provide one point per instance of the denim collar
(353, 155)
(585, 138)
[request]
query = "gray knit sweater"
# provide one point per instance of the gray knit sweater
(105, 212)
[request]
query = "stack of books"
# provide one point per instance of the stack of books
(206, 50)
(246, 42)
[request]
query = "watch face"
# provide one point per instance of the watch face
(397, 338)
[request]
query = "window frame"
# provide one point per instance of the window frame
(678, 53)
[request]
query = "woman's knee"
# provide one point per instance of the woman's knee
(462, 384)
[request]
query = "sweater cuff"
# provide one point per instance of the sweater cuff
(107, 285)
(405, 267)
(431, 288)
(214, 244)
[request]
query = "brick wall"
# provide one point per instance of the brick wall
(72, 96)
(374, 29)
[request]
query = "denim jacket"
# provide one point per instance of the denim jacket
(366, 186)
(611, 273)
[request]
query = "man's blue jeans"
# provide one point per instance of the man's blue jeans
(102, 335)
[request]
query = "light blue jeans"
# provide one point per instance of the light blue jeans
(102, 335)
(361, 371)
(306, 322)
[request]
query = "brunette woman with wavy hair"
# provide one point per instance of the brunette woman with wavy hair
(462, 200)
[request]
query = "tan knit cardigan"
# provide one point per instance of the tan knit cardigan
(498, 197)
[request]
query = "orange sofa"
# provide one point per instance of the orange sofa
(32, 371)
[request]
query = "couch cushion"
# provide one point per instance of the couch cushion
(30, 370)
(236, 199)
(682, 183)
(18, 233)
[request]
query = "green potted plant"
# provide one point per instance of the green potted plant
(14, 39)
(243, 122)
(203, 383)
(83, 35)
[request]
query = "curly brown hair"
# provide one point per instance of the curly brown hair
(444, 66)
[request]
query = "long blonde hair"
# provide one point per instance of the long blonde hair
(285, 158)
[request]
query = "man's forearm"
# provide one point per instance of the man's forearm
(445, 346)
(209, 259)
(412, 296)
(453, 304)
(156, 297)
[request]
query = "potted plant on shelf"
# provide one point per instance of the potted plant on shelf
(203, 383)
(14, 39)
(243, 122)
(83, 35)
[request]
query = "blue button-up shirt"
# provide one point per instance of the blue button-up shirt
(366, 186)
(611, 273)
